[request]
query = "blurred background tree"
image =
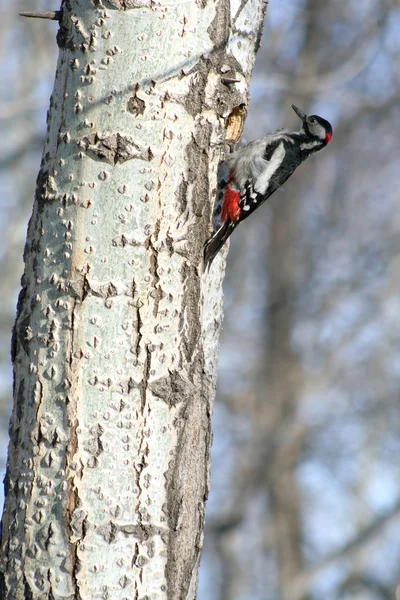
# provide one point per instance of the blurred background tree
(305, 495)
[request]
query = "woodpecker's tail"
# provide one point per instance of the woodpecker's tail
(215, 243)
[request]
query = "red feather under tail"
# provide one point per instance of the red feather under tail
(230, 205)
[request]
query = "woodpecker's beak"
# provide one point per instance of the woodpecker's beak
(299, 113)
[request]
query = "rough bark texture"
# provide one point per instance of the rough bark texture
(116, 338)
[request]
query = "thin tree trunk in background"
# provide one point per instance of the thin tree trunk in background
(116, 338)
(288, 266)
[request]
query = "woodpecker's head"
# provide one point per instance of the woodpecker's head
(315, 126)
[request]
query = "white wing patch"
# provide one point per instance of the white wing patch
(310, 145)
(270, 167)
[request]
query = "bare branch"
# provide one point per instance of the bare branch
(51, 15)
(349, 550)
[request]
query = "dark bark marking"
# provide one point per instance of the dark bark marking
(16, 332)
(114, 148)
(94, 445)
(194, 99)
(157, 293)
(130, 4)
(186, 519)
(27, 590)
(219, 29)
(225, 97)
(182, 195)
(20, 401)
(145, 380)
(172, 389)
(122, 241)
(197, 154)
(45, 188)
(141, 532)
(199, 185)
(80, 289)
(139, 331)
(136, 106)
(75, 521)
(191, 324)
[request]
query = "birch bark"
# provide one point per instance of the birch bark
(116, 338)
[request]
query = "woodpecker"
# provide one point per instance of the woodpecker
(256, 171)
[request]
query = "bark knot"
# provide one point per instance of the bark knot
(114, 148)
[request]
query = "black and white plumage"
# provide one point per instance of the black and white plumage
(256, 171)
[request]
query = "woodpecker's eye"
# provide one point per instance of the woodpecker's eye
(313, 120)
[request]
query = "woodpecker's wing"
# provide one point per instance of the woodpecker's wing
(248, 163)
(264, 178)
(240, 163)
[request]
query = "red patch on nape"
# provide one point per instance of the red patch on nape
(328, 137)
(230, 205)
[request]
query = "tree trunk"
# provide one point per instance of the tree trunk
(116, 338)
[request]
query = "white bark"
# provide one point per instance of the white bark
(116, 339)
